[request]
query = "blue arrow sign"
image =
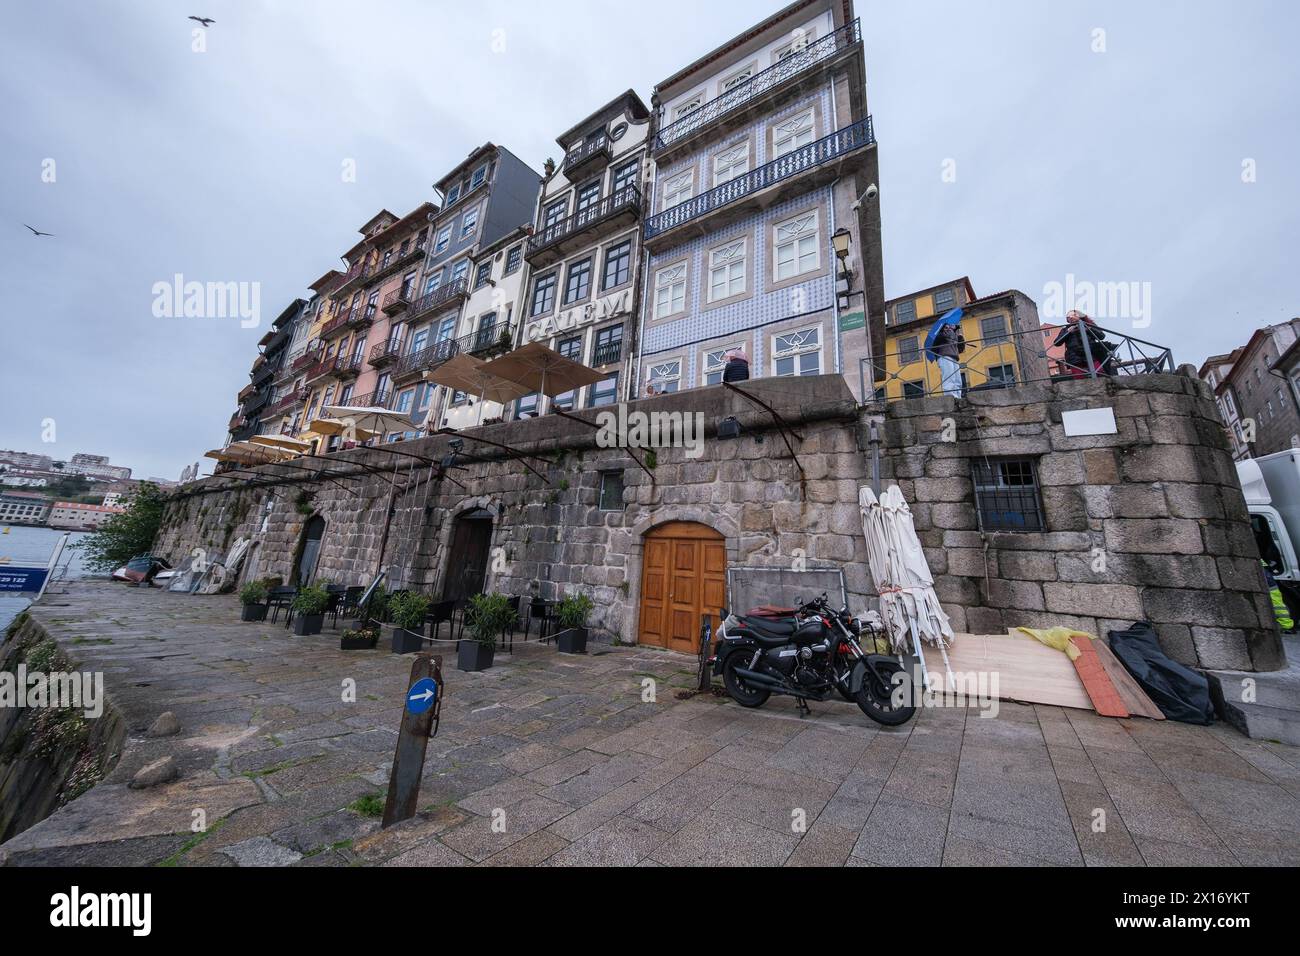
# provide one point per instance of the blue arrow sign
(422, 695)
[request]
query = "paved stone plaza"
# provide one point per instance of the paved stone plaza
(576, 769)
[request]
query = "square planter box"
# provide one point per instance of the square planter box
(407, 642)
(305, 624)
(253, 612)
(473, 656)
(359, 643)
(572, 641)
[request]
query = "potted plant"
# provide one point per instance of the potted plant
(407, 612)
(309, 606)
(253, 598)
(376, 606)
(487, 616)
(363, 638)
(572, 613)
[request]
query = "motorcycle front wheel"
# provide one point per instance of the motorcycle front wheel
(742, 693)
(876, 696)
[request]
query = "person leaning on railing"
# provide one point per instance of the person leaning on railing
(1076, 359)
(949, 343)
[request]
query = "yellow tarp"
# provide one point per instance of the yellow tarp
(1058, 637)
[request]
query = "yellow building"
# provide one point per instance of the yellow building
(1003, 343)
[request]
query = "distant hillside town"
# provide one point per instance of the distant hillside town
(79, 494)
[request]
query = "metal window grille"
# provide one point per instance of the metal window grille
(1006, 495)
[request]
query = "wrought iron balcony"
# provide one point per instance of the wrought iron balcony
(361, 316)
(376, 399)
(246, 392)
(348, 366)
(798, 64)
(592, 154)
(337, 325)
(607, 354)
(818, 156)
(397, 300)
(291, 400)
(320, 370)
(454, 291)
(309, 356)
(256, 402)
(554, 241)
(385, 353)
(263, 372)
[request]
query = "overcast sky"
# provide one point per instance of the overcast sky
(226, 165)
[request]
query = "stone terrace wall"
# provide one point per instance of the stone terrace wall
(1149, 523)
(1159, 501)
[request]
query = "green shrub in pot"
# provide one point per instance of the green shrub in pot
(254, 592)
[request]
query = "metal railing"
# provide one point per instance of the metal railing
(579, 155)
(456, 288)
(376, 399)
(629, 197)
(825, 150)
(607, 354)
(1009, 360)
(286, 402)
(796, 64)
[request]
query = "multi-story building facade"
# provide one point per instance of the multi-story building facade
(485, 200)
(1257, 390)
(255, 414)
(764, 150)
(584, 253)
(1003, 333)
(23, 507)
(79, 516)
(96, 467)
(26, 460)
(1214, 371)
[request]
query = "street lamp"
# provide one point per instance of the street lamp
(841, 241)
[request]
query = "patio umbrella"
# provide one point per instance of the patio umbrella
(283, 442)
(378, 420)
(908, 605)
(333, 426)
(468, 374)
(948, 318)
(249, 453)
(542, 369)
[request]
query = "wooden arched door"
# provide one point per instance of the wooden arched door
(683, 576)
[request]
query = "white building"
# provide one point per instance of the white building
(23, 507)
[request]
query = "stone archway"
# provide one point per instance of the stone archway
(683, 577)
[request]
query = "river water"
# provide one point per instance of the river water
(31, 547)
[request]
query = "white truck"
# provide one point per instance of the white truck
(1272, 488)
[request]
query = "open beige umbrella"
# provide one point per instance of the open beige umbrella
(542, 369)
(377, 420)
(468, 374)
(248, 453)
(283, 442)
(335, 426)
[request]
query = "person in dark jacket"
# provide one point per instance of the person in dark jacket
(948, 345)
(1077, 325)
(737, 367)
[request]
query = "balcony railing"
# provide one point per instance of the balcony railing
(320, 370)
(348, 366)
(794, 65)
(455, 289)
(397, 300)
(292, 400)
(337, 324)
(376, 399)
(495, 338)
(385, 353)
(1009, 360)
(309, 356)
(825, 150)
(607, 354)
(627, 199)
(589, 152)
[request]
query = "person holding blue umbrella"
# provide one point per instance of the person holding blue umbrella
(942, 345)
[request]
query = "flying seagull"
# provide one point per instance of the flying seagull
(37, 232)
(206, 21)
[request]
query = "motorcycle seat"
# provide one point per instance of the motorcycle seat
(768, 626)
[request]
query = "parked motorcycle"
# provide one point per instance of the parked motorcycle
(809, 656)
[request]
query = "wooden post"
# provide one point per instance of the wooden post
(412, 741)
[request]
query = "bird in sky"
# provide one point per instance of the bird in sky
(206, 21)
(37, 232)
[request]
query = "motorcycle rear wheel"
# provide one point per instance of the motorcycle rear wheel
(875, 698)
(742, 693)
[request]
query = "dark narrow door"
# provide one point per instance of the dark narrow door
(311, 540)
(467, 559)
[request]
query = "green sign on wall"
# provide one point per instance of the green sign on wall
(852, 320)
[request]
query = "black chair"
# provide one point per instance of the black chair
(337, 592)
(352, 601)
(281, 597)
(440, 613)
(540, 611)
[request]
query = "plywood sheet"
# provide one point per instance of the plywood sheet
(1027, 670)
(1135, 698)
(1101, 691)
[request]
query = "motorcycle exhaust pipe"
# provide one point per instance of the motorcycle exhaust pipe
(770, 682)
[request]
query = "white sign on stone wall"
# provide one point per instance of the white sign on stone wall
(608, 307)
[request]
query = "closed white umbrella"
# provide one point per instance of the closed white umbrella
(908, 605)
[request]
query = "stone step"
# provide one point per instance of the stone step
(1275, 712)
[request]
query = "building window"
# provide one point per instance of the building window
(432, 283)
(543, 294)
(404, 401)
(624, 176)
(469, 223)
(604, 392)
(408, 284)
(485, 336)
(943, 300)
(909, 350)
(443, 240)
(730, 163)
(611, 491)
(904, 312)
(994, 329)
(483, 274)
(526, 407)
(588, 196)
(570, 348)
(458, 270)
(608, 347)
(797, 246)
(690, 106)
(796, 45)
(738, 79)
(727, 271)
(618, 265)
(715, 361)
(1006, 494)
(480, 174)
(555, 212)
(915, 389)
(514, 258)
(678, 189)
(1002, 376)
(372, 303)
(797, 353)
(453, 193)
(793, 133)
(578, 282)
(665, 376)
(670, 290)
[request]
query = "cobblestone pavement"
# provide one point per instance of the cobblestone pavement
(573, 767)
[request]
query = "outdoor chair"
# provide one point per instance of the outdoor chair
(509, 634)
(352, 601)
(440, 612)
(540, 611)
(281, 597)
(337, 593)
